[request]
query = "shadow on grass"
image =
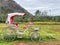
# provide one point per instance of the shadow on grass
(28, 40)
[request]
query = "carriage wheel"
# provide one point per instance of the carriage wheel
(35, 36)
(9, 37)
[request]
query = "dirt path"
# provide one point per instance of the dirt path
(45, 43)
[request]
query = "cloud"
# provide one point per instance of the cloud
(33, 5)
(28, 0)
(34, 8)
(37, 8)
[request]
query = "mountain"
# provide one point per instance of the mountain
(10, 6)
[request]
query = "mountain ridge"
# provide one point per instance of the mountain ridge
(10, 6)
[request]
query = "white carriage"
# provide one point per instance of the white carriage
(10, 23)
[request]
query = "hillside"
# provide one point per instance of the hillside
(10, 6)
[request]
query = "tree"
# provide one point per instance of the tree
(38, 13)
(44, 13)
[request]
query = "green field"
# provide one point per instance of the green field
(47, 33)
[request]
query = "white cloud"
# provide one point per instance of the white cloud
(33, 5)
(37, 8)
(28, 0)
(34, 8)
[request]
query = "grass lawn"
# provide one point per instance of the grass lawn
(48, 33)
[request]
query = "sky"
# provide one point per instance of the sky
(51, 6)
